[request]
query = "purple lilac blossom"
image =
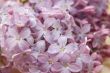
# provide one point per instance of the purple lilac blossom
(53, 36)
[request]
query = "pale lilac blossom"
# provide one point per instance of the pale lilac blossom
(62, 47)
(22, 39)
(53, 36)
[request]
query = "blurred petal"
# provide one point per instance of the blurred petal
(98, 69)
(107, 40)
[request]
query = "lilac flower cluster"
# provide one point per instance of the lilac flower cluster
(51, 36)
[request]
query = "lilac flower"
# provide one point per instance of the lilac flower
(17, 15)
(83, 55)
(19, 60)
(46, 61)
(43, 29)
(53, 36)
(67, 67)
(56, 32)
(62, 47)
(20, 20)
(82, 31)
(21, 39)
(38, 48)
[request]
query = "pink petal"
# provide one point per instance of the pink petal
(84, 49)
(12, 32)
(98, 69)
(64, 70)
(43, 58)
(65, 58)
(35, 54)
(49, 22)
(86, 58)
(11, 43)
(56, 34)
(45, 67)
(23, 45)
(76, 67)
(71, 48)
(60, 54)
(20, 20)
(56, 67)
(48, 37)
(40, 33)
(53, 49)
(30, 40)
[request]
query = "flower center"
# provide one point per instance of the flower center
(62, 49)
(50, 61)
(65, 65)
(18, 38)
(23, 1)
